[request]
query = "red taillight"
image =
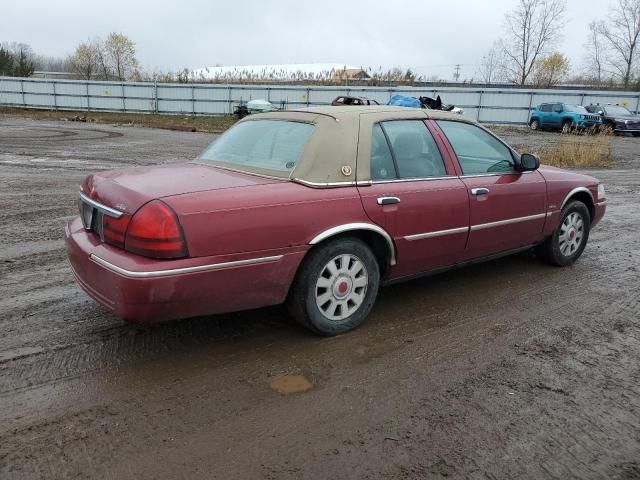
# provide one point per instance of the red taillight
(114, 230)
(154, 231)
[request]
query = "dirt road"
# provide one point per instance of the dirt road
(510, 369)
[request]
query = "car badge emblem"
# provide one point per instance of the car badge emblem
(346, 170)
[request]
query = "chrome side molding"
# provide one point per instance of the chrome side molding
(358, 226)
(179, 271)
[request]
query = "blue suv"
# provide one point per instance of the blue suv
(563, 116)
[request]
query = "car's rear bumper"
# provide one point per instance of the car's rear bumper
(148, 290)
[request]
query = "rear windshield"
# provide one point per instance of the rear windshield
(273, 145)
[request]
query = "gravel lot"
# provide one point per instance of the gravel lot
(510, 369)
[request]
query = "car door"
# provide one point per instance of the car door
(507, 208)
(545, 114)
(556, 115)
(412, 193)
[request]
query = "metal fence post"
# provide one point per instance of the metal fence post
(193, 100)
(155, 97)
(532, 93)
(308, 96)
(638, 105)
(55, 99)
(88, 97)
(229, 99)
(124, 104)
(22, 92)
(479, 106)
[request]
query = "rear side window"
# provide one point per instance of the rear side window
(478, 151)
(382, 166)
(545, 108)
(265, 144)
(413, 151)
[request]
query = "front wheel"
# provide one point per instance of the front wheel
(335, 287)
(534, 124)
(569, 239)
(566, 126)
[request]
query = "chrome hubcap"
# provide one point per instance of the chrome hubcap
(341, 287)
(571, 234)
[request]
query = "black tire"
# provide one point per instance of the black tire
(301, 301)
(534, 124)
(566, 126)
(551, 251)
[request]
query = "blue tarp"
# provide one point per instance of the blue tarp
(403, 101)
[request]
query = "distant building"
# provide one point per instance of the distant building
(277, 73)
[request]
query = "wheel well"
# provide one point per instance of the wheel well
(585, 198)
(534, 118)
(376, 242)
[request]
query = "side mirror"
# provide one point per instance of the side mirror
(558, 110)
(600, 112)
(528, 162)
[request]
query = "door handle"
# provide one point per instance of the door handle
(479, 191)
(388, 200)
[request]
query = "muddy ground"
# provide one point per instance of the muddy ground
(510, 369)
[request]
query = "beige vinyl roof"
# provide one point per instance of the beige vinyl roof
(331, 155)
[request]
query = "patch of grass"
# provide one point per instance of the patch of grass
(211, 124)
(579, 151)
(574, 150)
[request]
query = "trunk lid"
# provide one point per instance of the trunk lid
(128, 189)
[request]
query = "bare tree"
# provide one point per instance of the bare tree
(84, 61)
(491, 67)
(596, 53)
(120, 53)
(532, 29)
(622, 31)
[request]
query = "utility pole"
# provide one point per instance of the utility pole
(456, 73)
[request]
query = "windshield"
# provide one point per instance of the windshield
(575, 108)
(616, 110)
(274, 145)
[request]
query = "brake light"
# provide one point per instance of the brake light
(114, 230)
(154, 231)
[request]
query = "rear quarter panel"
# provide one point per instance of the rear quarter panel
(264, 217)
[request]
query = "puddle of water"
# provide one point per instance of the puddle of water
(287, 384)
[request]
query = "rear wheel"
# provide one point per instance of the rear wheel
(534, 124)
(569, 239)
(335, 287)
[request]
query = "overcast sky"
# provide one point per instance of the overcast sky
(427, 36)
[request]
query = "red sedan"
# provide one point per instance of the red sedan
(317, 208)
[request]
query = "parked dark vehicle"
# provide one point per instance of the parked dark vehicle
(563, 116)
(349, 100)
(618, 118)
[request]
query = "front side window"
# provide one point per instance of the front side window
(410, 147)
(273, 145)
(478, 151)
(545, 108)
